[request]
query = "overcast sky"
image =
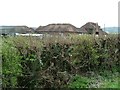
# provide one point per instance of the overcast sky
(34, 13)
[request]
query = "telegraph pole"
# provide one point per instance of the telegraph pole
(104, 27)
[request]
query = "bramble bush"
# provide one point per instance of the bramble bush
(53, 61)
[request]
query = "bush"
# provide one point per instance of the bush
(30, 51)
(85, 56)
(95, 54)
(11, 62)
(52, 61)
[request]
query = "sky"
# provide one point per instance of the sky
(34, 13)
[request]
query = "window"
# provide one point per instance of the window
(97, 33)
(90, 30)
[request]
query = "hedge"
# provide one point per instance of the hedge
(53, 61)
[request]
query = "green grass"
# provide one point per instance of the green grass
(96, 81)
(111, 83)
(110, 80)
(79, 82)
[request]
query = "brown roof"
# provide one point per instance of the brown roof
(90, 25)
(69, 28)
(57, 28)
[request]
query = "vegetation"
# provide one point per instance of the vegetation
(72, 61)
(0, 61)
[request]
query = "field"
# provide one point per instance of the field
(60, 62)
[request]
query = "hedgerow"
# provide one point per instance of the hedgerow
(54, 61)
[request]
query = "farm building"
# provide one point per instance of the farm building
(92, 28)
(57, 29)
(88, 28)
(12, 30)
(53, 29)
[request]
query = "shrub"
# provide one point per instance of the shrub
(96, 53)
(30, 51)
(52, 61)
(11, 65)
(84, 55)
